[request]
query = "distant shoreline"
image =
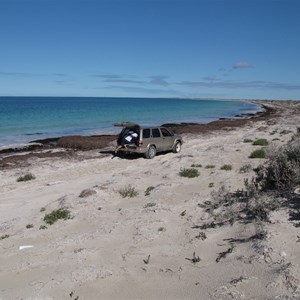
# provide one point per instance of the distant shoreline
(270, 108)
(25, 119)
(80, 142)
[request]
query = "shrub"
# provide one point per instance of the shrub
(259, 208)
(5, 236)
(260, 142)
(260, 153)
(272, 187)
(26, 177)
(282, 170)
(28, 226)
(58, 214)
(190, 173)
(245, 168)
(128, 192)
(226, 167)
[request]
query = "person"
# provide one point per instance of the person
(129, 139)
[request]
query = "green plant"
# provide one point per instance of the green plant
(190, 173)
(28, 226)
(196, 166)
(248, 141)
(128, 192)
(226, 167)
(43, 227)
(282, 171)
(26, 177)
(260, 142)
(58, 214)
(5, 236)
(210, 166)
(149, 189)
(259, 208)
(260, 153)
(42, 209)
(245, 168)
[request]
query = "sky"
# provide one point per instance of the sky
(226, 49)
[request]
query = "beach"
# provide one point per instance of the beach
(161, 242)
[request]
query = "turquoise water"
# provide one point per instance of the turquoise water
(24, 119)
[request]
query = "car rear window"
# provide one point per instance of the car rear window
(155, 132)
(146, 133)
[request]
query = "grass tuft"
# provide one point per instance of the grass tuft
(26, 177)
(189, 172)
(210, 166)
(245, 168)
(58, 214)
(248, 141)
(260, 153)
(5, 236)
(128, 192)
(260, 142)
(149, 189)
(196, 166)
(226, 167)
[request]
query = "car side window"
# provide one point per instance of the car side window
(155, 133)
(165, 132)
(146, 133)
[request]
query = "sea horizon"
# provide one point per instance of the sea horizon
(27, 118)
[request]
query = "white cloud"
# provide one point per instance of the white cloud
(241, 65)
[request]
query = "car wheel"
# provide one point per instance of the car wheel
(151, 152)
(177, 147)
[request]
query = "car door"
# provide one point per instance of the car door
(156, 139)
(167, 139)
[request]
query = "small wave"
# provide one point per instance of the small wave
(35, 133)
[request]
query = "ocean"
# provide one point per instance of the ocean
(24, 119)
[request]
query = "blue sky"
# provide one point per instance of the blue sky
(150, 48)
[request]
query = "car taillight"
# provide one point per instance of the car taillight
(140, 143)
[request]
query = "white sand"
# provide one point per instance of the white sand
(100, 252)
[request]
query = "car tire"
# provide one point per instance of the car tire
(177, 147)
(151, 152)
